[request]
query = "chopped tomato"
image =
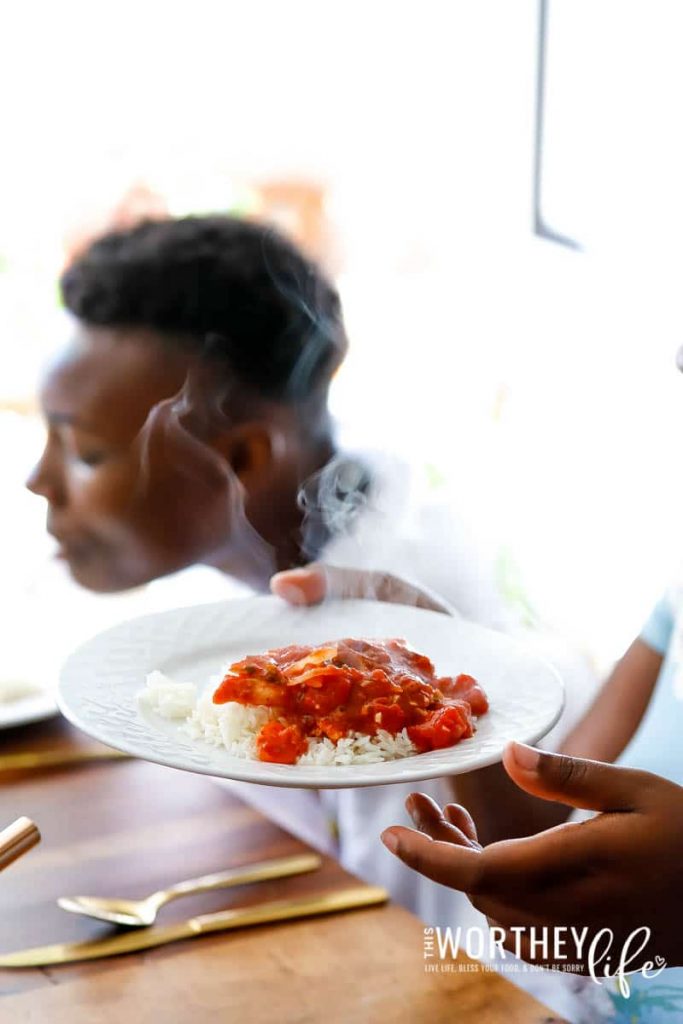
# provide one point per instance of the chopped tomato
(280, 743)
(331, 692)
(390, 717)
(467, 688)
(253, 690)
(335, 728)
(442, 728)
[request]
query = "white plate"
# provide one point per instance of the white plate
(32, 708)
(100, 681)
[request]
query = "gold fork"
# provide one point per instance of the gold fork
(142, 913)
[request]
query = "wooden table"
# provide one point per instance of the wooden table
(129, 827)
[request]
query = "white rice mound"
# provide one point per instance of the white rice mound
(235, 727)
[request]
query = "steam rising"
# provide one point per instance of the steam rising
(331, 501)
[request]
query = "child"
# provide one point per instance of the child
(188, 426)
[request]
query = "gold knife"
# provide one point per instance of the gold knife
(241, 917)
(56, 758)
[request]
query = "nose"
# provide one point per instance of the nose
(33, 481)
(45, 481)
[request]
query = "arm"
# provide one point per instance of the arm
(612, 719)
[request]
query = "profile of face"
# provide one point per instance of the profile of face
(139, 479)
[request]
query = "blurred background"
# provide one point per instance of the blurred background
(495, 187)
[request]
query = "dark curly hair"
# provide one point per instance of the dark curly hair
(237, 291)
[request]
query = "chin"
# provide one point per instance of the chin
(98, 581)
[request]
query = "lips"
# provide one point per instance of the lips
(62, 547)
(68, 546)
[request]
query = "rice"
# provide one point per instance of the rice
(234, 727)
(166, 698)
(358, 748)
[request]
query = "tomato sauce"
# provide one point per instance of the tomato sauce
(348, 686)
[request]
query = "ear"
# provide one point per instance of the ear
(251, 449)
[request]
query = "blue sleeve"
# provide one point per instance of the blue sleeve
(656, 632)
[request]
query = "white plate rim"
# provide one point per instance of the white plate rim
(414, 769)
(26, 710)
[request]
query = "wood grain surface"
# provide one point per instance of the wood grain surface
(128, 827)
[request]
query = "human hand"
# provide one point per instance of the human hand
(315, 582)
(619, 870)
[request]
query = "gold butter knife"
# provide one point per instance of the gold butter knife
(242, 917)
(56, 758)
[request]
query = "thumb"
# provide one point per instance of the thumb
(301, 586)
(575, 781)
(316, 581)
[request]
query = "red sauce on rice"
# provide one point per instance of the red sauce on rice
(334, 689)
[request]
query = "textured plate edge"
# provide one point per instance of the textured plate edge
(301, 780)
